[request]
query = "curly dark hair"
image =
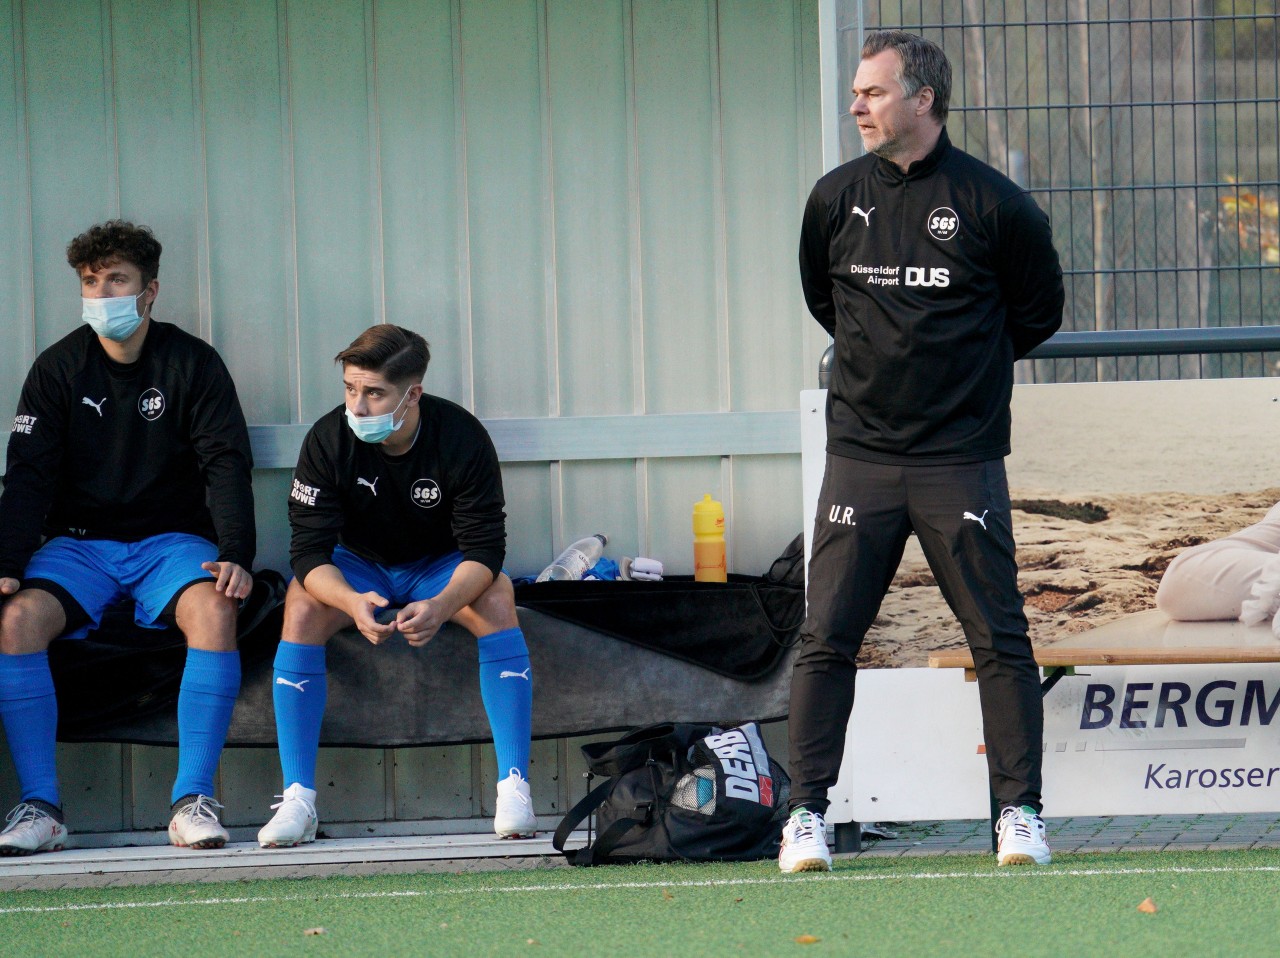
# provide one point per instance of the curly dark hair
(399, 354)
(116, 241)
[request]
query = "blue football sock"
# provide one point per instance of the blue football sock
(210, 683)
(29, 709)
(299, 690)
(506, 686)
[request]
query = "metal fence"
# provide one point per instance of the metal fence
(1149, 130)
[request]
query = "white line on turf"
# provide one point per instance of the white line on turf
(810, 879)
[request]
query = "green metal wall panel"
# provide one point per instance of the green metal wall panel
(157, 154)
(764, 512)
(434, 782)
(16, 315)
(506, 195)
(530, 505)
(762, 148)
(676, 145)
(419, 175)
(248, 194)
(811, 166)
(601, 497)
(672, 487)
(336, 205)
(150, 771)
(592, 189)
(71, 147)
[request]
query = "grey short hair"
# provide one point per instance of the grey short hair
(921, 64)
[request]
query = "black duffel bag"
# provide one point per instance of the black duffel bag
(681, 793)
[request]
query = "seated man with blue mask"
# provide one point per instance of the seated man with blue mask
(396, 501)
(129, 457)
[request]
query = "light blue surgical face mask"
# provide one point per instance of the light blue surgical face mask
(377, 428)
(113, 317)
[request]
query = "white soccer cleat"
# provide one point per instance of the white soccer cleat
(1020, 838)
(295, 823)
(804, 844)
(514, 818)
(31, 829)
(196, 825)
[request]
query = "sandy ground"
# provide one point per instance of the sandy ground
(1076, 575)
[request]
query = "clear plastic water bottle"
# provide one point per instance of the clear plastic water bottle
(574, 562)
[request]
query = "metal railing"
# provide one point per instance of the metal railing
(1134, 342)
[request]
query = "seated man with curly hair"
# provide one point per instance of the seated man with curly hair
(128, 478)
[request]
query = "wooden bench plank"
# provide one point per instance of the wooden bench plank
(1055, 657)
(1145, 638)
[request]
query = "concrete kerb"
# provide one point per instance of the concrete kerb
(120, 866)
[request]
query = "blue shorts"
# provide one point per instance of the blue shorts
(399, 584)
(97, 573)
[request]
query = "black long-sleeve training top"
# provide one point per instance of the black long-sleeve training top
(104, 450)
(443, 495)
(932, 282)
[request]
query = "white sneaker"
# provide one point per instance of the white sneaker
(295, 823)
(804, 844)
(31, 829)
(514, 818)
(196, 825)
(1020, 838)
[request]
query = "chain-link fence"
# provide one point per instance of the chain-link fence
(1149, 130)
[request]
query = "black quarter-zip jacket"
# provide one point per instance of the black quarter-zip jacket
(444, 494)
(932, 282)
(102, 450)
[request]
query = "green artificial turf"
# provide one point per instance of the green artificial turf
(1207, 903)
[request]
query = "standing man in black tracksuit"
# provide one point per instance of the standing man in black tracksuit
(934, 273)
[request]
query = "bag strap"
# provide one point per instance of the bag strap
(597, 852)
(578, 814)
(609, 839)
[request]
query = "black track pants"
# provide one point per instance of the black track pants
(961, 515)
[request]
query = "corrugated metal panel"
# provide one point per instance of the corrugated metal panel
(16, 310)
(676, 143)
(249, 198)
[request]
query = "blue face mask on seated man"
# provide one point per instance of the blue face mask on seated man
(114, 317)
(377, 428)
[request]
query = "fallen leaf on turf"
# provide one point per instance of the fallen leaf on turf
(807, 940)
(315, 931)
(1148, 907)
(667, 895)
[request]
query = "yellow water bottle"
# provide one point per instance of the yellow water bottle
(708, 541)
